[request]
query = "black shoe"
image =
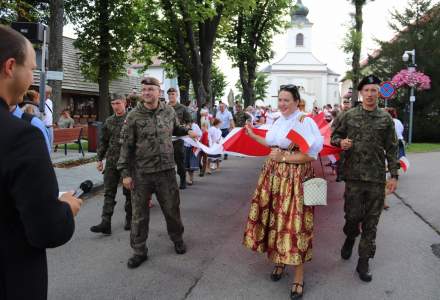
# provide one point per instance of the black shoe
(136, 260)
(294, 291)
(103, 227)
(201, 174)
(127, 225)
(347, 248)
(225, 157)
(364, 270)
(180, 247)
(182, 183)
(276, 275)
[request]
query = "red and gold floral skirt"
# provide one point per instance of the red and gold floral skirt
(279, 223)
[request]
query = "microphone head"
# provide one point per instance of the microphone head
(86, 186)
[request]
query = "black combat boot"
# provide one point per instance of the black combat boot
(136, 260)
(364, 270)
(127, 225)
(104, 227)
(347, 248)
(182, 182)
(180, 247)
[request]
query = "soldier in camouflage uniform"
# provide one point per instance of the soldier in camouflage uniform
(147, 166)
(240, 117)
(184, 119)
(367, 135)
(109, 148)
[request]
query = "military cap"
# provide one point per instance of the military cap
(370, 79)
(116, 96)
(171, 90)
(150, 81)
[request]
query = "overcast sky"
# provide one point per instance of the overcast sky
(329, 18)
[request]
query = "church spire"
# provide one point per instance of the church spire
(299, 13)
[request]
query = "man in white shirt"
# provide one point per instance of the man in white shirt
(227, 120)
(48, 114)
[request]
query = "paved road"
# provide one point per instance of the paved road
(218, 267)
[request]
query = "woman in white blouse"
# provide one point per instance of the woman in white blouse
(279, 223)
(191, 160)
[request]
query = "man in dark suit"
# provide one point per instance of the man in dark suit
(32, 218)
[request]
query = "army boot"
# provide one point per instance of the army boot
(182, 182)
(180, 247)
(364, 270)
(127, 225)
(136, 260)
(347, 248)
(104, 227)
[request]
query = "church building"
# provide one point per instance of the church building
(318, 84)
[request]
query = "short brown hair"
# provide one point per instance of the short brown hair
(216, 122)
(12, 45)
(171, 90)
(151, 81)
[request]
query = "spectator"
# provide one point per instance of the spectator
(65, 120)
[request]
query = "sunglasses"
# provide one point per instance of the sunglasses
(288, 86)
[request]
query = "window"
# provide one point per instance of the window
(300, 40)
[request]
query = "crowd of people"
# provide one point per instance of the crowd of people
(143, 149)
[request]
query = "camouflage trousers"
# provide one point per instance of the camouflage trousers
(112, 177)
(179, 157)
(363, 206)
(164, 185)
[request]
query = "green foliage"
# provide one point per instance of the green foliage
(120, 26)
(249, 42)
(218, 83)
(23, 10)
(261, 86)
(417, 27)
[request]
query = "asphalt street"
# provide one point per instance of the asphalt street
(217, 266)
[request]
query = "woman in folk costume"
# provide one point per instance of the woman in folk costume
(191, 160)
(279, 223)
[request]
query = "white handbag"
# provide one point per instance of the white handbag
(315, 192)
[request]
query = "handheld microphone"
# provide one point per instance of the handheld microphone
(84, 188)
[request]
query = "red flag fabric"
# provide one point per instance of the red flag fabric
(328, 149)
(302, 137)
(320, 120)
(239, 142)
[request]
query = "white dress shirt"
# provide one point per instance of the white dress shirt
(214, 135)
(277, 134)
(399, 128)
(48, 113)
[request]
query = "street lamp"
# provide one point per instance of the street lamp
(412, 98)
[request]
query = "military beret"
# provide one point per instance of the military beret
(171, 90)
(150, 81)
(370, 79)
(116, 96)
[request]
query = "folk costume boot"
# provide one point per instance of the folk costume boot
(127, 225)
(364, 270)
(182, 182)
(347, 248)
(104, 227)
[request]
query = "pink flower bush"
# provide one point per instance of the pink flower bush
(414, 79)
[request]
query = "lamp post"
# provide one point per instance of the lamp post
(412, 98)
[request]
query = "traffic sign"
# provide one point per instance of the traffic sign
(387, 90)
(55, 75)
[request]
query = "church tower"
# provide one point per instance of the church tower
(299, 34)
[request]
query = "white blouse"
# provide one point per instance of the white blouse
(277, 134)
(214, 135)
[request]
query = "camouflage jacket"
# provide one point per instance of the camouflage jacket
(374, 141)
(182, 114)
(109, 141)
(240, 118)
(147, 145)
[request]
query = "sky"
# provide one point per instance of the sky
(329, 18)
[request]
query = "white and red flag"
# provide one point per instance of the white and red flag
(404, 164)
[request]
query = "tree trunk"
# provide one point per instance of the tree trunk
(104, 61)
(357, 51)
(184, 81)
(56, 52)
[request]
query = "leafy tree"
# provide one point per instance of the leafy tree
(218, 83)
(106, 30)
(250, 40)
(417, 27)
(260, 87)
(353, 44)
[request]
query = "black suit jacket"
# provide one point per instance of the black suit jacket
(31, 216)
